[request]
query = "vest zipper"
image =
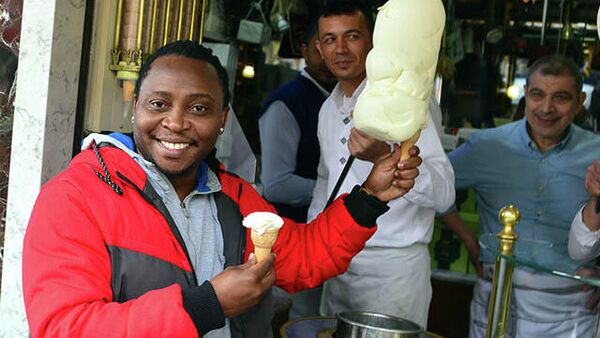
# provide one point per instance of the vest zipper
(186, 214)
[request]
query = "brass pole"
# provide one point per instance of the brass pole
(201, 33)
(153, 26)
(138, 38)
(193, 21)
(118, 24)
(180, 19)
(509, 216)
(130, 27)
(167, 16)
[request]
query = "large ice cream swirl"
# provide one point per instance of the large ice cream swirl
(400, 69)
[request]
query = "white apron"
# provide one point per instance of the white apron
(393, 281)
(542, 305)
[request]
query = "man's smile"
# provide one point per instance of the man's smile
(174, 146)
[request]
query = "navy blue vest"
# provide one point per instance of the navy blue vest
(304, 99)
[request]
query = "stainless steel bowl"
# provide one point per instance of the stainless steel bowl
(357, 324)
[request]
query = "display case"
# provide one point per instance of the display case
(534, 255)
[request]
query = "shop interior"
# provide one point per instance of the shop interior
(486, 49)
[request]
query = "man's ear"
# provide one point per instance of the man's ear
(224, 114)
(303, 49)
(318, 45)
(581, 98)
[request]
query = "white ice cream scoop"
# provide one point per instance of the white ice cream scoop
(265, 229)
(262, 221)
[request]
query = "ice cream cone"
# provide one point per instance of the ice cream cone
(406, 145)
(263, 243)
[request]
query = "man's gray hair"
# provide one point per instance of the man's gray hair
(556, 65)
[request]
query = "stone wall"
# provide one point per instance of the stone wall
(5, 137)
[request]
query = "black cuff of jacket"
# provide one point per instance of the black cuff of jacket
(203, 306)
(364, 208)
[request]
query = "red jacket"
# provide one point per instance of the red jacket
(84, 239)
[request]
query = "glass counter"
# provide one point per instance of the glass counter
(546, 257)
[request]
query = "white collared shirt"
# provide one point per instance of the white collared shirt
(410, 218)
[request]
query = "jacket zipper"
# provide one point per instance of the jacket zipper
(173, 227)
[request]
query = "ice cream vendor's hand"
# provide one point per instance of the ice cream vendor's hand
(591, 212)
(391, 178)
(241, 287)
(366, 148)
(592, 179)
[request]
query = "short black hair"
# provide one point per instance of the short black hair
(191, 50)
(311, 30)
(349, 7)
(556, 65)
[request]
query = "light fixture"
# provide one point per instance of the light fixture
(279, 12)
(513, 92)
(280, 23)
(248, 71)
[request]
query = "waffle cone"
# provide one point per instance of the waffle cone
(406, 145)
(263, 243)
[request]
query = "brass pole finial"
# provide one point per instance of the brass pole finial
(508, 216)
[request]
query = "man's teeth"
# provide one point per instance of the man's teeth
(174, 146)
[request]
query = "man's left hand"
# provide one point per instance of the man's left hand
(367, 148)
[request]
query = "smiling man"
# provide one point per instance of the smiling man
(538, 164)
(143, 236)
(400, 244)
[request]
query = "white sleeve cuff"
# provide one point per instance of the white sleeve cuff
(584, 244)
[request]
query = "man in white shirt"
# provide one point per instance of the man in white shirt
(584, 237)
(392, 274)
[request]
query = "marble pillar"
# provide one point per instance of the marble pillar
(44, 118)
